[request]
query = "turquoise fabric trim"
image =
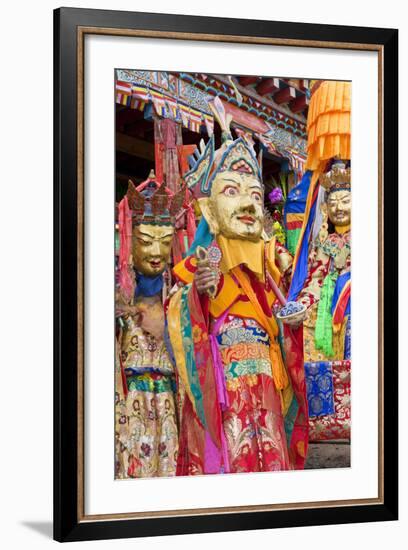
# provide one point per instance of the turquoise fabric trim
(202, 237)
(146, 383)
(185, 323)
(247, 366)
(290, 418)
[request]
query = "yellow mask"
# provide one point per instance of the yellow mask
(339, 207)
(151, 248)
(235, 207)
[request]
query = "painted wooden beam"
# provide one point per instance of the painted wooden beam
(304, 84)
(299, 104)
(247, 80)
(285, 95)
(268, 86)
(247, 120)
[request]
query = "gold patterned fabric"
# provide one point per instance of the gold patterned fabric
(311, 354)
(152, 427)
(332, 254)
(121, 431)
(147, 433)
(143, 348)
(327, 257)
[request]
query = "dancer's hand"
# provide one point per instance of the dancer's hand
(204, 278)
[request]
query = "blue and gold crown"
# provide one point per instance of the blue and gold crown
(233, 155)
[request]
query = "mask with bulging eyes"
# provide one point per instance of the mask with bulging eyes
(235, 207)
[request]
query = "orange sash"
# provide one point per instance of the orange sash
(279, 373)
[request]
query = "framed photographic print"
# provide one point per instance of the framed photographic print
(215, 369)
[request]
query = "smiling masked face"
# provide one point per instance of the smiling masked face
(235, 208)
(151, 248)
(339, 208)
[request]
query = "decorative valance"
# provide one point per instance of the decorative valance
(137, 96)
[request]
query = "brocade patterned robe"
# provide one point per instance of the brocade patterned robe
(328, 375)
(149, 434)
(238, 403)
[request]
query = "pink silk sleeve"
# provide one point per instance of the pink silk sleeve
(125, 236)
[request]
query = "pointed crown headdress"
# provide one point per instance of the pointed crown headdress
(153, 203)
(337, 179)
(233, 155)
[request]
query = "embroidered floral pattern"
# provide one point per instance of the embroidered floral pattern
(146, 425)
(329, 414)
(336, 425)
(152, 430)
(253, 422)
(319, 388)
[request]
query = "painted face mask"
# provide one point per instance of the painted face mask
(227, 184)
(339, 208)
(338, 187)
(151, 248)
(153, 213)
(235, 208)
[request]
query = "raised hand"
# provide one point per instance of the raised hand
(205, 277)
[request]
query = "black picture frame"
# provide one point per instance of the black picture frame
(67, 237)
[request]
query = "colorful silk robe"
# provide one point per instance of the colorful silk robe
(147, 434)
(327, 359)
(294, 211)
(239, 409)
